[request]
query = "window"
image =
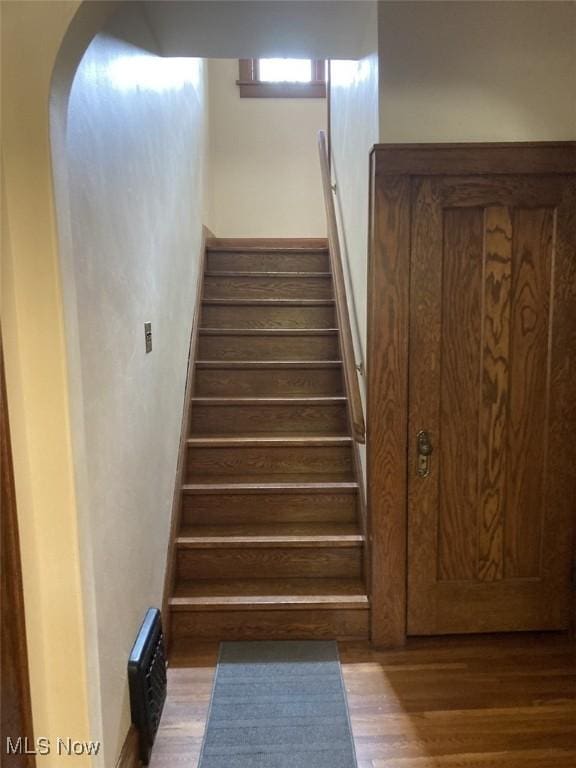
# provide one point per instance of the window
(282, 78)
(285, 70)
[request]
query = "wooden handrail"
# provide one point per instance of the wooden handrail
(347, 345)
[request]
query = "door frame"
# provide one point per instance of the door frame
(15, 712)
(392, 167)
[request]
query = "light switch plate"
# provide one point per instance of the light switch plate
(148, 336)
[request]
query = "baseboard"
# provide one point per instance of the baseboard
(169, 574)
(129, 756)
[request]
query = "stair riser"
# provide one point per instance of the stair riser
(259, 382)
(262, 419)
(249, 287)
(254, 509)
(267, 262)
(228, 463)
(268, 348)
(238, 316)
(271, 625)
(269, 562)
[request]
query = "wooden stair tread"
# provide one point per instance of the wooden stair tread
(264, 601)
(265, 400)
(278, 247)
(258, 441)
(272, 530)
(245, 594)
(270, 535)
(265, 273)
(267, 331)
(277, 250)
(224, 435)
(273, 477)
(269, 302)
(279, 587)
(271, 542)
(261, 602)
(264, 488)
(273, 364)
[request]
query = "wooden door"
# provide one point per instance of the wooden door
(492, 380)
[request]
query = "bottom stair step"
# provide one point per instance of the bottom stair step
(267, 624)
(268, 609)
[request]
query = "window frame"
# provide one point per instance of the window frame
(251, 87)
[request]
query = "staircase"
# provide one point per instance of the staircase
(268, 543)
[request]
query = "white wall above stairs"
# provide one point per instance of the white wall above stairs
(264, 166)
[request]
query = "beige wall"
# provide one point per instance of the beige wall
(37, 377)
(477, 71)
(264, 162)
(354, 130)
(134, 160)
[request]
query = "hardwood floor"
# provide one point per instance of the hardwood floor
(504, 701)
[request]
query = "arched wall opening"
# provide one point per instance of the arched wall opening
(74, 557)
(129, 151)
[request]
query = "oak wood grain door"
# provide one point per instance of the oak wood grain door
(492, 380)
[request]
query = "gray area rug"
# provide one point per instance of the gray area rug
(278, 705)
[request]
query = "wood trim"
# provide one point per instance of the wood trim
(357, 424)
(329, 113)
(312, 90)
(363, 516)
(251, 87)
(319, 67)
(247, 70)
(473, 159)
(129, 756)
(573, 616)
(16, 701)
(388, 315)
(170, 574)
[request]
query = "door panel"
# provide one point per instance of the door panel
(495, 355)
(493, 382)
(461, 270)
(533, 254)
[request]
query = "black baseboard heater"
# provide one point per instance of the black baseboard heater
(147, 681)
